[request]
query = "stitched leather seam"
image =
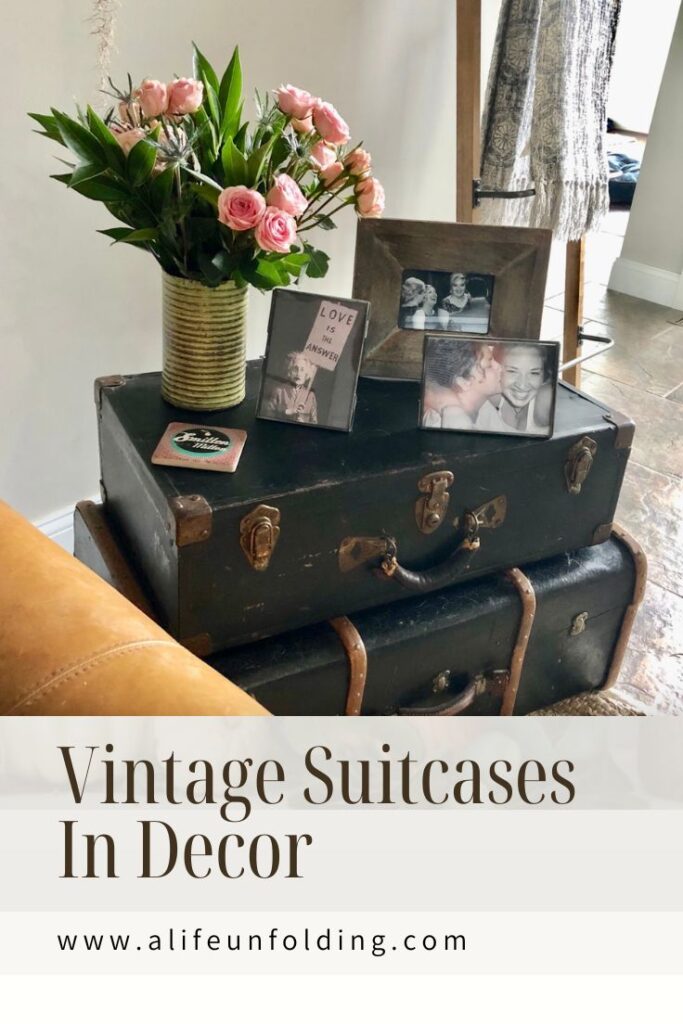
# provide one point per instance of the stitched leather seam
(58, 672)
(52, 682)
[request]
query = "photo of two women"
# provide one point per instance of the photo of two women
(440, 300)
(502, 387)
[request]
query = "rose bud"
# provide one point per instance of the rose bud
(294, 102)
(369, 198)
(185, 96)
(358, 162)
(322, 155)
(153, 97)
(329, 124)
(287, 196)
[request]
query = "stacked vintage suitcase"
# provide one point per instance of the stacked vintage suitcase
(389, 570)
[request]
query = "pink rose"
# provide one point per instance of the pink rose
(358, 162)
(185, 96)
(329, 124)
(241, 208)
(369, 198)
(334, 176)
(129, 138)
(276, 231)
(322, 155)
(294, 102)
(303, 125)
(287, 196)
(153, 97)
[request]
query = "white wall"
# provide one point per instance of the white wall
(642, 44)
(651, 261)
(72, 308)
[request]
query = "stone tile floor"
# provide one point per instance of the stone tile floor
(642, 376)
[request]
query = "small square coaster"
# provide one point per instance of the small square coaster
(196, 446)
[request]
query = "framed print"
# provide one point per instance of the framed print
(312, 360)
(422, 276)
(489, 386)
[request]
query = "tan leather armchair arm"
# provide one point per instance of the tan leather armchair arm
(71, 645)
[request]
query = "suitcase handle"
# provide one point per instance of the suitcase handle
(488, 516)
(453, 706)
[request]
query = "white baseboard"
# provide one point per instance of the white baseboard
(60, 528)
(645, 282)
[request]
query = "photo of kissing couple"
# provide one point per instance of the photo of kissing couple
(499, 387)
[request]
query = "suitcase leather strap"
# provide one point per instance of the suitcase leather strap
(357, 658)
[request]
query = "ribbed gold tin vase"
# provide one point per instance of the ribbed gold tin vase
(205, 334)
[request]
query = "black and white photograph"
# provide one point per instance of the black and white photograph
(312, 360)
(442, 300)
(492, 387)
(475, 280)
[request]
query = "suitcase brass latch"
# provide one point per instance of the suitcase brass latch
(579, 463)
(259, 533)
(430, 511)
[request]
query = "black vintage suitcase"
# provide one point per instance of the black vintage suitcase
(315, 524)
(511, 643)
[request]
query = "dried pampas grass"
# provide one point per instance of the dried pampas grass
(103, 20)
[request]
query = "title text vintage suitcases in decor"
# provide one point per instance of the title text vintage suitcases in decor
(317, 524)
(508, 644)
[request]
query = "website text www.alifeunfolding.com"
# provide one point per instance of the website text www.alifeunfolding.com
(273, 940)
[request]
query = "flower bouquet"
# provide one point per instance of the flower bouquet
(220, 204)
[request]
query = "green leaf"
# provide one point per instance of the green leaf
(206, 74)
(140, 163)
(212, 103)
(239, 278)
(241, 137)
(84, 173)
(116, 158)
(230, 95)
(141, 235)
(282, 150)
(273, 272)
(207, 137)
(258, 160)
(203, 229)
(64, 178)
(132, 237)
(213, 274)
(50, 125)
(102, 190)
(79, 140)
(235, 166)
(161, 188)
(319, 262)
(295, 262)
(224, 262)
(326, 223)
(203, 70)
(263, 282)
(116, 233)
(206, 192)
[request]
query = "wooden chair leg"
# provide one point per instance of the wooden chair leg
(573, 308)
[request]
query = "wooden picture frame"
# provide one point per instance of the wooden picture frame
(516, 258)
